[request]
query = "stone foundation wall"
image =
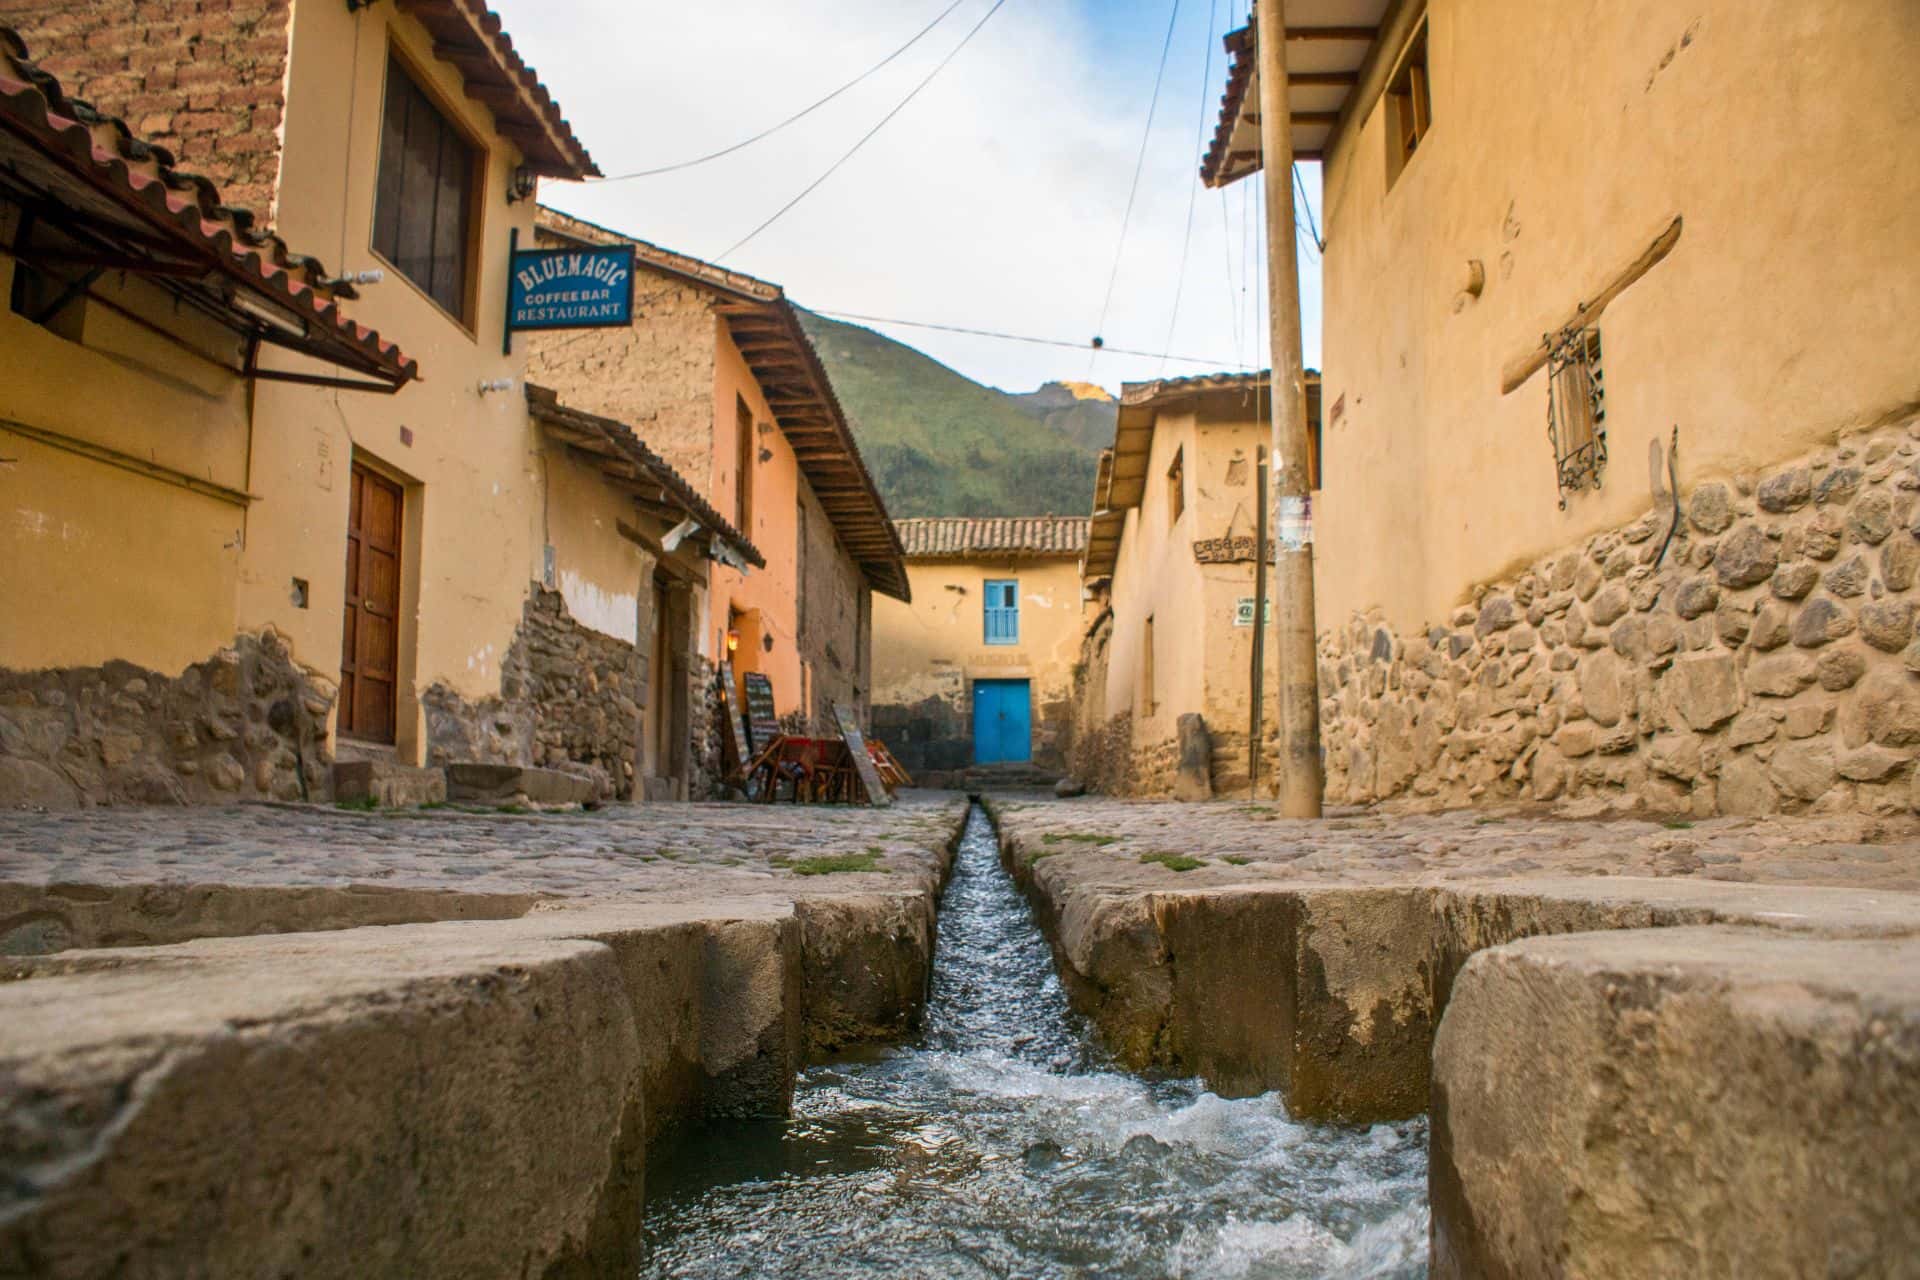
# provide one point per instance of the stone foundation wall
(247, 724)
(570, 699)
(1764, 663)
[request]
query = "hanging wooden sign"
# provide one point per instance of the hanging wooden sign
(1229, 550)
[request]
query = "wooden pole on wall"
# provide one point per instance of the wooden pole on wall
(1300, 780)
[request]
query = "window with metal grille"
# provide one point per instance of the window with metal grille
(1409, 105)
(1003, 611)
(423, 205)
(1576, 409)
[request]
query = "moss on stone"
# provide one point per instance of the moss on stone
(827, 864)
(1078, 837)
(1174, 861)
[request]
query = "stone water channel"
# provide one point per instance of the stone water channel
(1003, 1142)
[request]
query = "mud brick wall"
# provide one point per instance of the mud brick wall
(570, 699)
(247, 724)
(1766, 663)
(656, 375)
(203, 78)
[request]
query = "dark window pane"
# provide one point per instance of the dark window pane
(423, 194)
(393, 133)
(449, 287)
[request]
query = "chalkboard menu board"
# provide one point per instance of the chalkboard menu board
(732, 747)
(763, 726)
(877, 794)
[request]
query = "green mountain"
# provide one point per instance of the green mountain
(940, 444)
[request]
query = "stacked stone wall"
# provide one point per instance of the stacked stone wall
(203, 78)
(247, 724)
(570, 699)
(1762, 660)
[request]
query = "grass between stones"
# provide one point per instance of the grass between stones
(1077, 837)
(1237, 859)
(1174, 861)
(826, 864)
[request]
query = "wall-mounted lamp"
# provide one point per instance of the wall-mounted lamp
(521, 184)
(733, 640)
(354, 278)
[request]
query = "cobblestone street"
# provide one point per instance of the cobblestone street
(1123, 843)
(622, 851)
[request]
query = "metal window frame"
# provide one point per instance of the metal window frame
(1009, 611)
(1574, 369)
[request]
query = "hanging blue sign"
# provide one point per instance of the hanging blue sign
(570, 288)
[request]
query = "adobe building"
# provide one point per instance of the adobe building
(398, 562)
(977, 669)
(1171, 564)
(718, 377)
(1569, 266)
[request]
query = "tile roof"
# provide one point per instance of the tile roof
(468, 35)
(634, 467)
(126, 197)
(766, 327)
(1333, 51)
(963, 537)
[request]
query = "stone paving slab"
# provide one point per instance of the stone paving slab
(1104, 840)
(657, 851)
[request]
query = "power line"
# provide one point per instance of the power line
(794, 118)
(1017, 337)
(1193, 188)
(864, 138)
(1300, 186)
(1138, 164)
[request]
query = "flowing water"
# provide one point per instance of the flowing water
(1002, 1143)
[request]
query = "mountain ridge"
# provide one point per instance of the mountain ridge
(940, 444)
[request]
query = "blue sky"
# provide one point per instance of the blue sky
(994, 200)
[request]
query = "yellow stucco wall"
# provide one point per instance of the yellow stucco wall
(1201, 660)
(98, 561)
(769, 595)
(1559, 148)
(474, 506)
(919, 649)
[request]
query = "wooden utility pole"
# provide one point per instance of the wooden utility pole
(1300, 778)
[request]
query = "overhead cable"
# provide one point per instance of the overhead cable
(797, 116)
(1139, 164)
(865, 138)
(1016, 337)
(1193, 188)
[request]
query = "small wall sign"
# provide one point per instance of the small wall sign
(1243, 612)
(570, 288)
(1228, 550)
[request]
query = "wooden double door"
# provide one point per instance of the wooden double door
(370, 635)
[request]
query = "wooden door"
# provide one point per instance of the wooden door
(370, 637)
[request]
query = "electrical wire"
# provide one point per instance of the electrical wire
(865, 138)
(1139, 164)
(1193, 188)
(1319, 245)
(802, 114)
(1017, 337)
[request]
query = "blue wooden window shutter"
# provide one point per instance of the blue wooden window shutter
(1003, 611)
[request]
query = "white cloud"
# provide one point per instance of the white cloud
(993, 201)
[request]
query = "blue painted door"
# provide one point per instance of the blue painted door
(1002, 721)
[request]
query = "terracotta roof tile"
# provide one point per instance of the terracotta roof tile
(626, 453)
(103, 168)
(962, 537)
